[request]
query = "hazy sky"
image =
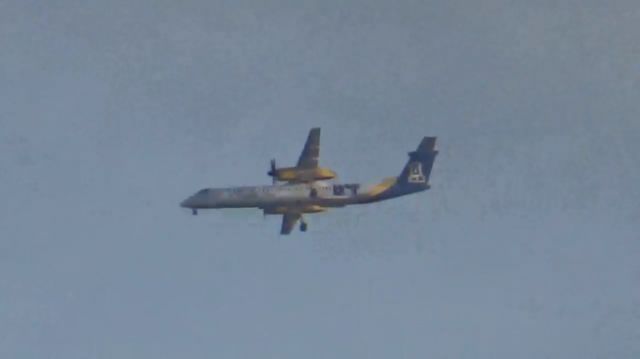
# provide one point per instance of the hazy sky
(527, 245)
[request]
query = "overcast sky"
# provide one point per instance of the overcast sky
(527, 245)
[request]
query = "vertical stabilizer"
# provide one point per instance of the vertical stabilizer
(418, 169)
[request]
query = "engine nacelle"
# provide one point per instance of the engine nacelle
(303, 175)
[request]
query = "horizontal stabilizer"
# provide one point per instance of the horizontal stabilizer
(427, 144)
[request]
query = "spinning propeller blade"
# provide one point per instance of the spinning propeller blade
(272, 171)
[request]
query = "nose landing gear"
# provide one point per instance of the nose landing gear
(194, 211)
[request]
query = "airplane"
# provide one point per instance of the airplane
(305, 188)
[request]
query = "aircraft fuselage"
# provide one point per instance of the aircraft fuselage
(311, 196)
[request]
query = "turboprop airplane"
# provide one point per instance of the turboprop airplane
(305, 188)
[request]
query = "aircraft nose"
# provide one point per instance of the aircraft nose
(187, 203)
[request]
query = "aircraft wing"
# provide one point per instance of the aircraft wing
(311, 151)
(289, 221)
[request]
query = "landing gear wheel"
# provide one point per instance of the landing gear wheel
(194, 211)
(303, 226)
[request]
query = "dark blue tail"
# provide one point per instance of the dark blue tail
(415, 174)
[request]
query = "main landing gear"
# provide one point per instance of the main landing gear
(303, 225)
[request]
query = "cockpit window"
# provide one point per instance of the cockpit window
(203, 191)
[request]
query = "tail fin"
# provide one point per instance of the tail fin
(418, 170)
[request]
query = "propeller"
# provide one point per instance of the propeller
(272, 171)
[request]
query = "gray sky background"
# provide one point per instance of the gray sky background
(527, 246)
